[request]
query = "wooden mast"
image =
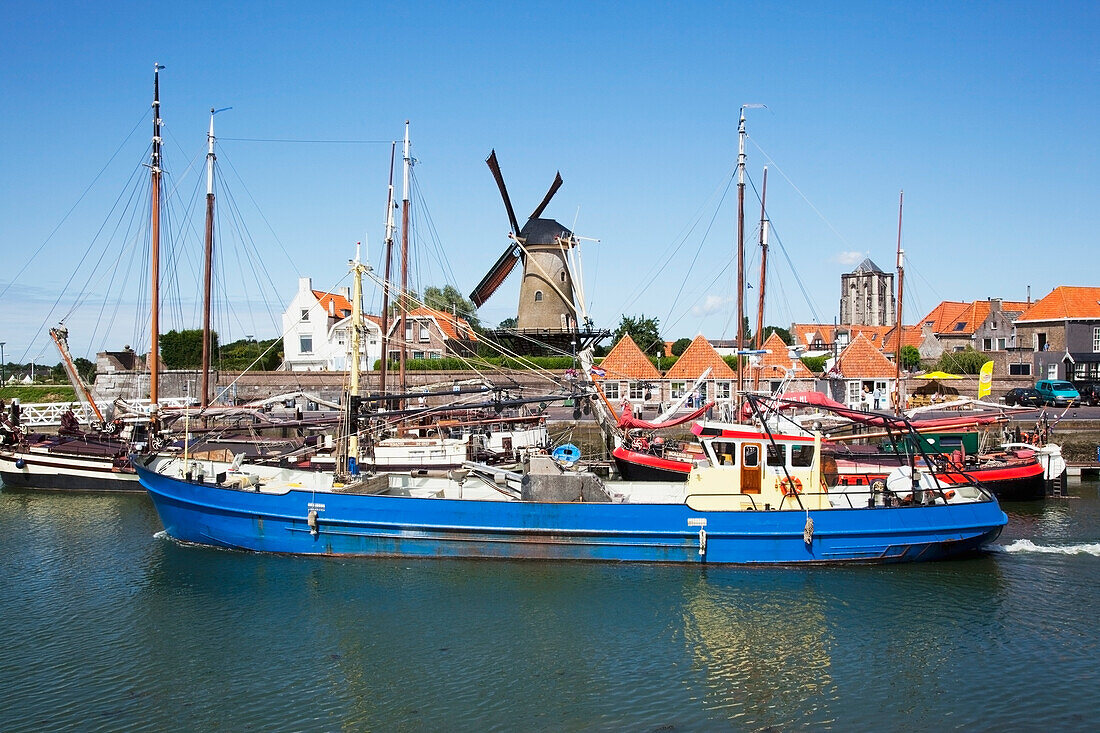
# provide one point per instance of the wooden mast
(763, 261)
(386, 279)
(898, 324)
(740, 245)
(154, 265)
(403, 298)
(208, 263)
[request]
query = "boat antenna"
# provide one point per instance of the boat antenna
(763, 262)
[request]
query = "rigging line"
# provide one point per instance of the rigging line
(65, 218)
(799, 191)
(422, 201)
(665, 260)
(699, 249)
(224, 156)
(297, 140)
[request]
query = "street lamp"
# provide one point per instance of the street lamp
(3, 376)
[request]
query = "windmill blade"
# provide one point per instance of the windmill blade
(549, 195)
(496, 275)
(491, 161)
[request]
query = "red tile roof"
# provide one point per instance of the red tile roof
(862, 359)
(1065, 302)
(696, 358)
(779, 360)
(626, 361)
(451, 326)
(963, 319)
(341, 305)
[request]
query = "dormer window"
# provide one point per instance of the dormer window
(960, 326)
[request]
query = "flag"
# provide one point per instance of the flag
(985, 380)
(595, 371)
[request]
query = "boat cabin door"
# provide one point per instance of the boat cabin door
(750, 468)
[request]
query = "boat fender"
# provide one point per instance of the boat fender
(808, 530)
(702, 541)
(789, 487)
(19, 463)
(311, 520)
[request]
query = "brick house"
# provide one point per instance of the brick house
(630, 375)
(861, 368)
(1063, 330)
(431, 334)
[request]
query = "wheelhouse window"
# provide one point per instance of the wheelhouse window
(776, 455)
(725, 452)
(751, 454)
(802, 456)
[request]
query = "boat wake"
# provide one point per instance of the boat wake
(1029, 546)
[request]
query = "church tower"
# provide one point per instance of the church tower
(867, 297)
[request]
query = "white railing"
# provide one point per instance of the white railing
(48, 414)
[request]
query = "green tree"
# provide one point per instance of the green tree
(449, 300)
(644, 331)
(85, 368)
(680, 346)
(784, 334)
(910, 357)
(512, 322)
(968, 361)
(183, 349)
(815, 364)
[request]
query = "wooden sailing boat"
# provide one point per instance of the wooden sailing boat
(97, 461)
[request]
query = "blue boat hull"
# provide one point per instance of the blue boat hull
(373, 525)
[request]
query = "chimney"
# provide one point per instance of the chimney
(331, 308)
(995, 304)
(305, 284)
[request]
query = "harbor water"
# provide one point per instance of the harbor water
(107, 625)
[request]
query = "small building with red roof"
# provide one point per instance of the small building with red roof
(862, 375)
(431, 334)
(628, 374)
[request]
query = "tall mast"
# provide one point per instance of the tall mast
(763, 261)
(404, 301)
(208, 260)
(154, 265)
(901, 290)
(357, 269)
(740, 244)
(386, 279)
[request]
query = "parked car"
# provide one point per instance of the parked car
(1023, 396)
(1057, 392)
(1090, 394)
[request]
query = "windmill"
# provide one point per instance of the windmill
(546, 292)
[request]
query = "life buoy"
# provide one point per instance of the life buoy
(789, 487)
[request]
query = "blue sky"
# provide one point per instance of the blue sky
(985, 114)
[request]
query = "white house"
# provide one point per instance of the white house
(316, 332)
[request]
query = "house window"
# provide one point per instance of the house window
(305, 344)
(305, 315)
(611, 390)
(1001, 344)
(424, 332)
(538, 296)
(993, 326)
(1019, 370)
(434, 355)
(637, 390)
(677, 390)
(395, 355)
(1052, 371)
(987, 344)
(408, 331)
(722, 390)
(418, 354)
(1040, 341)
(1096, 340)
